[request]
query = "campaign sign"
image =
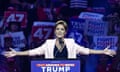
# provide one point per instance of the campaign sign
(102, 42)
(18, 39)
(78, 24)
(1, 23)
(55, 66)
(16, 16)
(98, 28)
(1, 40)
(42, 31)
(76, 35)
(91, 16)
(77, 27)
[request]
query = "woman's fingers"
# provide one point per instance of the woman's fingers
(111, 55)
(109, 52)
(107, 47)
(12, 49)
(112, 52)
(9, 54)
(6, 54)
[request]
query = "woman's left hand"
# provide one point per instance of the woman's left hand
(109, 52)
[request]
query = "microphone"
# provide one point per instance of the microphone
(61, 42)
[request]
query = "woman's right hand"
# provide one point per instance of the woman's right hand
(11, 53)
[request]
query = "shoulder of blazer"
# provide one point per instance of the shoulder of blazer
(66, 40)
(50, 40)
(69, 39)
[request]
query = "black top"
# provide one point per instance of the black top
(60, 55)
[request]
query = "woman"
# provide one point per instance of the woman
(60, 47)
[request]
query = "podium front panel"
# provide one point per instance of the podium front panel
(55, 66)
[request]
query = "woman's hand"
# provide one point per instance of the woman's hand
(109, 52)
(11, 53)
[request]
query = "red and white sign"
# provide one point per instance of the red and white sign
(16, 16)
(42, 31)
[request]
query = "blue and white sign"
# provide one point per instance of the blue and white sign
(102, 42)
(78, 24)
(91, 16)
(55, 66)
(98, 28)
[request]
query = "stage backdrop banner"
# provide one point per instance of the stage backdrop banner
(16, 16)
(102, 42)
(55, 66)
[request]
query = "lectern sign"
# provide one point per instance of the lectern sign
(55, 66)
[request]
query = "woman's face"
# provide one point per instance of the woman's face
(60, 31)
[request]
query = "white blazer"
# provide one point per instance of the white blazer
(47, 49)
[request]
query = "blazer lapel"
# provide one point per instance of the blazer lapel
(71, 52)
(51, 46)
(68, 45)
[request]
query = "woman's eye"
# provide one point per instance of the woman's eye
(62, 29)
(57, 28)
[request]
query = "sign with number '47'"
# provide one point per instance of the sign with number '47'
(16, 16)
(42, 31)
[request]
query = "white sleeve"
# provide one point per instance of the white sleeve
(81, 49)
(38, 51)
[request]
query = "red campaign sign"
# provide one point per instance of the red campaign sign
(18, 16)
(42, 15)
(41, 33)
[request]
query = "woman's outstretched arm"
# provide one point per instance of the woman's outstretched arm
(13, 53)
(106, 51)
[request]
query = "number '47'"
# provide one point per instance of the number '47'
(40, 35)
(15, 17)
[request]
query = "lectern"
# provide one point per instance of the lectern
(51, 65)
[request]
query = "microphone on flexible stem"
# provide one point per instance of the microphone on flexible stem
(61, 42)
